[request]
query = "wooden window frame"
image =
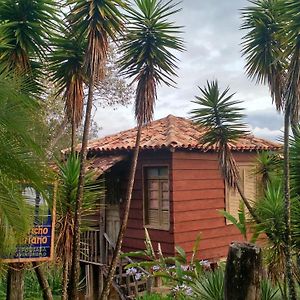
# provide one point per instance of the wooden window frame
(227, 189)
(165, 227)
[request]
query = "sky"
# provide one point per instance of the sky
(213, 51)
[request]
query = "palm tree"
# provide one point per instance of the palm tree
(221, 117)
(21, 160)
(25, 29)
(66, 66)
(66, 196)
(272, 48)
(96, 21)
(147, 59)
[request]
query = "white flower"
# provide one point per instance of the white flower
(131, 271)
(189, 291)
(138, 276)
(185, 268)
(155, 268)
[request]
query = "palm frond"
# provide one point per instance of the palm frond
(66, 201)
(263, 47)
(146, 52)
(21, 159)
(269, 165)
(97, 21)
(221, 118)
(25, 29)
(66, 67)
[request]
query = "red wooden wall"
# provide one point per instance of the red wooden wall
(198, 194)
(135, 234)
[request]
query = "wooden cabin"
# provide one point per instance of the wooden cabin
(178, 189)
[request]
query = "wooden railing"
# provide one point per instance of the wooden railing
(97, 249)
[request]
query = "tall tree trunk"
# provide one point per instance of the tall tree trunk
(113, 265)
(287, 207)
(243, 272)
(73, 137)
(47, 293)
(75, 268)
(247, 204)
(64, 288)
(54, 140)
(15, 282)
(73, 133)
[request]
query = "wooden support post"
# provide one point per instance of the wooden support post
(15, 282)
(243, 272)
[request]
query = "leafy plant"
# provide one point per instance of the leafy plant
(241, 223)
(268, 292)
(210, 286)
(68, 176)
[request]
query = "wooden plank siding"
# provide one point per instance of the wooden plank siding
(198, 194)
(135, 234)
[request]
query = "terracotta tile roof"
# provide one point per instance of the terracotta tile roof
(172, 132)
(101, 164)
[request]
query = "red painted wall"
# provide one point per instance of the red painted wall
(135, 234)
(199, 193)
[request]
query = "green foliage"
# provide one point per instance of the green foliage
(210, 286)
(155, 297)
(220, 117)
(263, 45)
(21, 160)
(68, 177)
(146, 51)
(269, 166)
(241, 223)
(268, 292)
(32, 288)
(219, 114)
(25, 29)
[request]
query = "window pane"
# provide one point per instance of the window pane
(165, 196)
(165, 204)
(153, 185)
(153, 195)
(152, 172)
(163, 171)
(165, 186)
(154, 204)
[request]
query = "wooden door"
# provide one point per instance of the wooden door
(113, 222)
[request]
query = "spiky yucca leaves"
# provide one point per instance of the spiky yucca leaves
(97, 21)
(66, 201)
(146, 52)
(292, 35)
(268, 166)
(146, 58)
(221, 118)
(25, 28)
(263, 46)
(270, 209)
(287, 38)
(66, 67)
(21, 160)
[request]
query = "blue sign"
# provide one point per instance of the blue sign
(38, 245)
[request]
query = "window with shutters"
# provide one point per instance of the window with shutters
(156, 197)
(249, 185)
